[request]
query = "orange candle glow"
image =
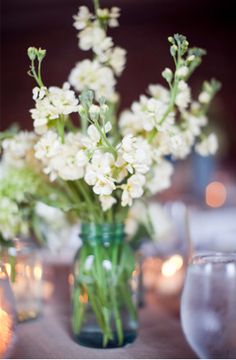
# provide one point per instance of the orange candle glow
(6, 325)
(215, 194)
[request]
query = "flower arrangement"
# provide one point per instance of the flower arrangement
(99, 163)
(104, 164)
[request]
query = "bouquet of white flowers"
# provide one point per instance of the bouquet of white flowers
(101, 165)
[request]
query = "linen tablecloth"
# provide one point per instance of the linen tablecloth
(160, 334)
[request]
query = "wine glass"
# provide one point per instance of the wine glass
(208, 305)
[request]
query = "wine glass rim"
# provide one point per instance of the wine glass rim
(214, 258)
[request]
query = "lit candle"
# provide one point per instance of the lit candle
(6, 333)
(170, 279)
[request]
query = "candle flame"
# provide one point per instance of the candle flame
(172, 265)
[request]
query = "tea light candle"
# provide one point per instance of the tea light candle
(6, 334)
(170, 280)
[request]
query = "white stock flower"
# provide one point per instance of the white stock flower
(98, 173)
(56, 102)
(82, 18)
(136, 153)
(65, 160)
(159, 92)
(133, 189)
(90, 142)
(107, 201)
(130, 123)
(160, 177)
(92, 75)
(39, 93)
(208, 146)
(113, 16)
(17, 148)
(183, 97)
(117, 60)
(91, 37)
(48, 146)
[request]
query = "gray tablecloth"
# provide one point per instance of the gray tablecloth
(49, 336)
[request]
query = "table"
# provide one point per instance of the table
(160, 334)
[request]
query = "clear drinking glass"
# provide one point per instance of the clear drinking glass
(208, 305)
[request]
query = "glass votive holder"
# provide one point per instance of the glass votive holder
(7, 314)
(24, 268)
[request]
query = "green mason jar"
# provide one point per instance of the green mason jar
(104, 294)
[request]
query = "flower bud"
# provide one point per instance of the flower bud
(167, 74)
(94, 111)
(173, 50)
(182, 71)
(41, 54)
(32, 53)
(82, 110)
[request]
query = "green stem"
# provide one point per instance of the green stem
(96, 5)
(88, 200)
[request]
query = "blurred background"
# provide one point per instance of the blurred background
(145, 26)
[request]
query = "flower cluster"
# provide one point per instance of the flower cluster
(105, 165)
(168, 117)
(50, 104)
(18, 149)
(100, 73)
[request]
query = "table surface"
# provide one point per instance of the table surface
(160, 334)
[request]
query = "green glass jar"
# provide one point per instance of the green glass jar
(104, 293)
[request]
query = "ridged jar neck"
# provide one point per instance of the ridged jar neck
(105, 234)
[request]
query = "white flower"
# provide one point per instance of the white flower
(113, 16)
(204, 97)
(82, 18)
(130, 123)
(159, 92)
(208, 146)
(55, 103)
(183, 97)
(93, 138)
(136, 153)
(81, 158)
(160, 177)
(91, 37)
(107, 265)
(18, 148)
(117, 60)
(132, 189)
(107, 201)
(92, 75)
(98, 173)
(104, 185)
(182, 71)
(48, 146)
(39, 93)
